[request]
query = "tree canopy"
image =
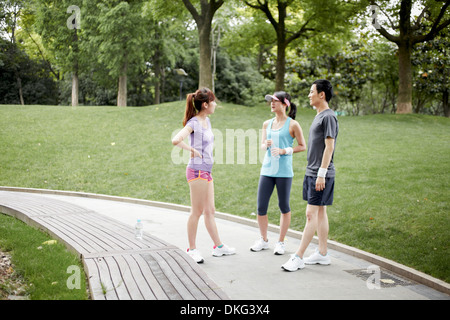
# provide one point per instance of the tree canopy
(381, 56)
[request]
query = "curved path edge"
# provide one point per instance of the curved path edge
(387, 264)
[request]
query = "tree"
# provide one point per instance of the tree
(303, 19)
(431, 65)
(116, 33)
(167, 40)
(9, 14)
(282, 34)
(410, 34)
(203, 19)
(60, 35)
(121, 42)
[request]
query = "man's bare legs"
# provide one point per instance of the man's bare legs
(316, 220)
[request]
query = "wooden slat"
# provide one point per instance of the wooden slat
(95, 282)
(118, 266)
(150, 278)
(162, 278)
(197, 275)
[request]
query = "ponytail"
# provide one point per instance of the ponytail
(194, 103)
(293, 111)
(190, 111)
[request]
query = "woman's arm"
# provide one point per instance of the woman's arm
(178, 141)
(264, 142)
(296, 132)
(298, 135)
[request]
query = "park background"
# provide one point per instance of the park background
(66, 77)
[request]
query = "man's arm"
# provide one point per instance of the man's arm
(326, 159)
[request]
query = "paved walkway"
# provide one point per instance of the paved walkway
(258, 276)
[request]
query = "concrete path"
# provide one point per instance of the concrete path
(258, 276)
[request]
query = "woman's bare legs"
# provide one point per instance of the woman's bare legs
(202, 202)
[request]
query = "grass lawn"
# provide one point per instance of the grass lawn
(47, 267)
(392, 186)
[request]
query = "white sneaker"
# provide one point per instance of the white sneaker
(196, 255)
(279, 248)
(318, 258)
(259, 245)
(224, 251)
(293, 264)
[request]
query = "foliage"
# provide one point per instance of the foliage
(37, 84)
(148, 39)
(239, 82)
(431, 61)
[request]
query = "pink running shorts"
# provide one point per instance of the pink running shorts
(192, 175)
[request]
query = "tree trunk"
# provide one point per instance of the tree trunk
(445, 103)
(281, 65)
(75, 89)
(404, 100)
(204, 32)
(19, 85)
(157, 99)
(122, 92)
(204, 22)
(280, 29)
(157, 68)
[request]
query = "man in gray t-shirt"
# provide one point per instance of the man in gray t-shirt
(325, 125)
(318, 185)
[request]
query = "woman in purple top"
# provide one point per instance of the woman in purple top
(197, 127)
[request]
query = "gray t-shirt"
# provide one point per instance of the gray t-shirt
(325, 125)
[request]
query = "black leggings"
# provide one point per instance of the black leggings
(265, 189)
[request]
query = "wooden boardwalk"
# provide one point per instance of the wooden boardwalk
(118, 266)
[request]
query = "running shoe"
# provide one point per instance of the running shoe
(318, 258)
(223, 251)
(279, 248)
(293, 264)
(196, 255)
(259, 245)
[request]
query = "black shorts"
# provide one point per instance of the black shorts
(318, 198)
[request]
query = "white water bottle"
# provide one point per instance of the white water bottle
(138, 230)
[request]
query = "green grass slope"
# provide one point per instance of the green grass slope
(392, 186)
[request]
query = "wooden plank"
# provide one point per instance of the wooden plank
(105, 280)
(96, 232)
(183, 274)
(144, 289)
(126, 252)
(169, 289)
(68, 234)
(148, 240)
(93, 275)
(119, 267)
(35, 205)
(150, 278)
(117, 281)
(171, 273)
(76, 244)
(128, 278)
(199, 278)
